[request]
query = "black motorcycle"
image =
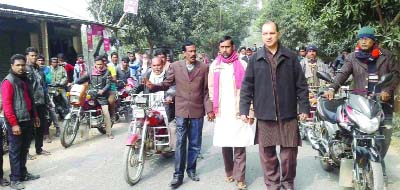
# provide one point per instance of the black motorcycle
(346, 136)
(56, 99)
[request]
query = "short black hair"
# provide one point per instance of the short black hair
(114, 53)
(31, 49)
(187, 43)
(53, 58)
(104, 57)
(60, 55)
(161, 52)
(40, 57)
(125, 59)
(99, 58)
(17, 57)
(249, 49)
(225, 38)
(241, 48)
(80, 55)
(302, 48)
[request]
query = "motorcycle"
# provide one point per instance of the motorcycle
(84, 108)
(308, 124)
(4, 136)
(123, 102)
(148, 135)
(346, 136)
(56, 99)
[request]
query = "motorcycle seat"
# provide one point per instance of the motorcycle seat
(330, 109)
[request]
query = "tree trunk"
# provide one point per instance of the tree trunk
(96, 52)
(150, 42)
(380, 14)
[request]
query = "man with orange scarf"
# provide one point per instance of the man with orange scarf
(231, 133)
(367, 64)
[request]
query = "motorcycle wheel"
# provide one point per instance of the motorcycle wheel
(324, 163)
(372, 177)
(102, 128)
(167, 155)
(128, 117)
(302, 131)
(133, 168)
(70, 131)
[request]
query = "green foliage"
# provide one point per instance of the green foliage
(332, 24)
(170, 22)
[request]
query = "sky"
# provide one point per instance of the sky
(71, 8)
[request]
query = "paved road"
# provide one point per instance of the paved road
(96, 164)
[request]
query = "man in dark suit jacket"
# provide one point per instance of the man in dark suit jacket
(191, 104)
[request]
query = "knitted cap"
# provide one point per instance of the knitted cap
(312, 47)
(366, 32)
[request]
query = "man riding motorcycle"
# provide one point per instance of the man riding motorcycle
(156, 75)
(368, 63)
(123, 71)
(59, 78)
(99, 81)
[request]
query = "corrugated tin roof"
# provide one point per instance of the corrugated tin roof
(20, 12)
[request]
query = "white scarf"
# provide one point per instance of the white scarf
(157, 79)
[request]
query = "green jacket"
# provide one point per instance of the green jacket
(58, 76)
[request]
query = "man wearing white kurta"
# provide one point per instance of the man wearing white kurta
(230, 133)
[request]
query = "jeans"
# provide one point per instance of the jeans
(18, 151)
(187, 129)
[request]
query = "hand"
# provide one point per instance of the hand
(168, 99)
(303, 116)
(69, 84)
(37, 122)
(385, 96)
(244, 118)
(100, 92)
(16, 130)
(148, 84)
(330, 94)
(251, 121)
(210, 116)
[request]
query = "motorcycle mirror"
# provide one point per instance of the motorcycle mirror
(384, 80)
(324, 76)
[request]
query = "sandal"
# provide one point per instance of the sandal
(241, 185)
(229, 179)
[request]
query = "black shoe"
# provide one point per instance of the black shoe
(175, 183)
(193, 176)
(30, 177)
(18, 185)
(43, 152)
(58, 132)
(4, 182)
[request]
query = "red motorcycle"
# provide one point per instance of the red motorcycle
(148, 135)
(84, 108)
(123, 103)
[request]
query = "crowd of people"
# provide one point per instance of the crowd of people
(264, 90)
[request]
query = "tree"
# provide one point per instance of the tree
(332, 24)
(169, 23)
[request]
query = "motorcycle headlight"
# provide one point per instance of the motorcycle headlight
(366, 124)
(91, 102)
